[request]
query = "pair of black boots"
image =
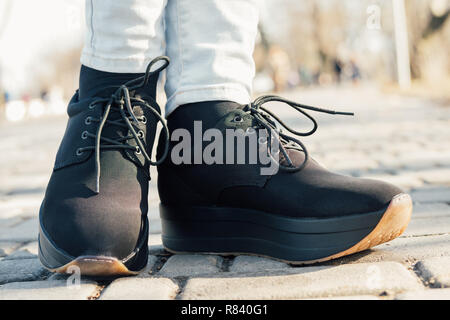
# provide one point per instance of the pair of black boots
(94, 214)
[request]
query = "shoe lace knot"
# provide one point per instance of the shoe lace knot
(271, 122)
(121, 102)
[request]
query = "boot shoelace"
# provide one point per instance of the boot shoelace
(122, 101)
(269, 121)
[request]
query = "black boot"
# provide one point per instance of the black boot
(94, 214)
(301, 214)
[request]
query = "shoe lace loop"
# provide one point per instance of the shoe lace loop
(122, 101)
(269, 121)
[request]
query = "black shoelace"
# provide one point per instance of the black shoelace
(269, 121)
(123, 102)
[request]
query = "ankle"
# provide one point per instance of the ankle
(92, 82)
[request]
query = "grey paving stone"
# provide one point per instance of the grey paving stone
(9, 222)
(148, 270)
(47, 290)
(430, 294)
(345, 280)
(28, 251)
(155, 226)
(140, 289)
(403, 181)
(154, 239)
(430, 210)
(23, 232)
(7, 248)
(21, 270)
(404, 250)
(11, 206)
(254, 264)
(437, 194)
(436, 271)
(431, 226)
(439, 176)
(190, 265)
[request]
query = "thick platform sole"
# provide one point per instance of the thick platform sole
(57, 260)
(233, 231)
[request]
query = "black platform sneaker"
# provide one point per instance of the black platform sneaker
(300, 213)
(94, 214)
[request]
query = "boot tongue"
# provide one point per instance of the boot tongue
(93, 82)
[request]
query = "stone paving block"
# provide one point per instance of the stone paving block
(435, 194)
(430, 210)
(28, 251)
(405, 182)
(439, 176)
(9, 222)
(11, 206)
(254, 264)
(181, 265)
(7, 248)
(436, 271)
(345, 280)
(432, 226)
(154, 239)
(403, 250)
(430, 294)
(155, 226)
(148, 270)
(23, 232)
(21, 270)
(9, 212)
(47, 290)
(140, 289)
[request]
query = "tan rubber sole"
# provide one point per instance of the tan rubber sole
(393, 223)
(96, 266)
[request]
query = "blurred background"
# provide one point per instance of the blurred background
(394, 45)
(386, 60)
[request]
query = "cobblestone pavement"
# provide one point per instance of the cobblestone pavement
(404, 140)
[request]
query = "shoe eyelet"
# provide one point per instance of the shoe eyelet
(138, 150)
(84, 135)
(238, 119)
(140, 134)
(144, 119)
(79, 152)
(88, 121)
(92, 106)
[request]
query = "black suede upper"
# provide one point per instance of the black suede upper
(77, 219)
(312, 192)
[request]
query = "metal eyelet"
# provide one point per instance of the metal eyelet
(88, 121)
(91, 106)
(144, 119)
(84, 135)
(79, 152)
(238, 119)
(138, 150)
(140, 134)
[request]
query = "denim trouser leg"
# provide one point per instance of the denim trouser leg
(210, 43)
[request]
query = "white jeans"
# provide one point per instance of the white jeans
(210, 44)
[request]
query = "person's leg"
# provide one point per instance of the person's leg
(299, 212)
(94, 214)
(210, 44)
(122, 38)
